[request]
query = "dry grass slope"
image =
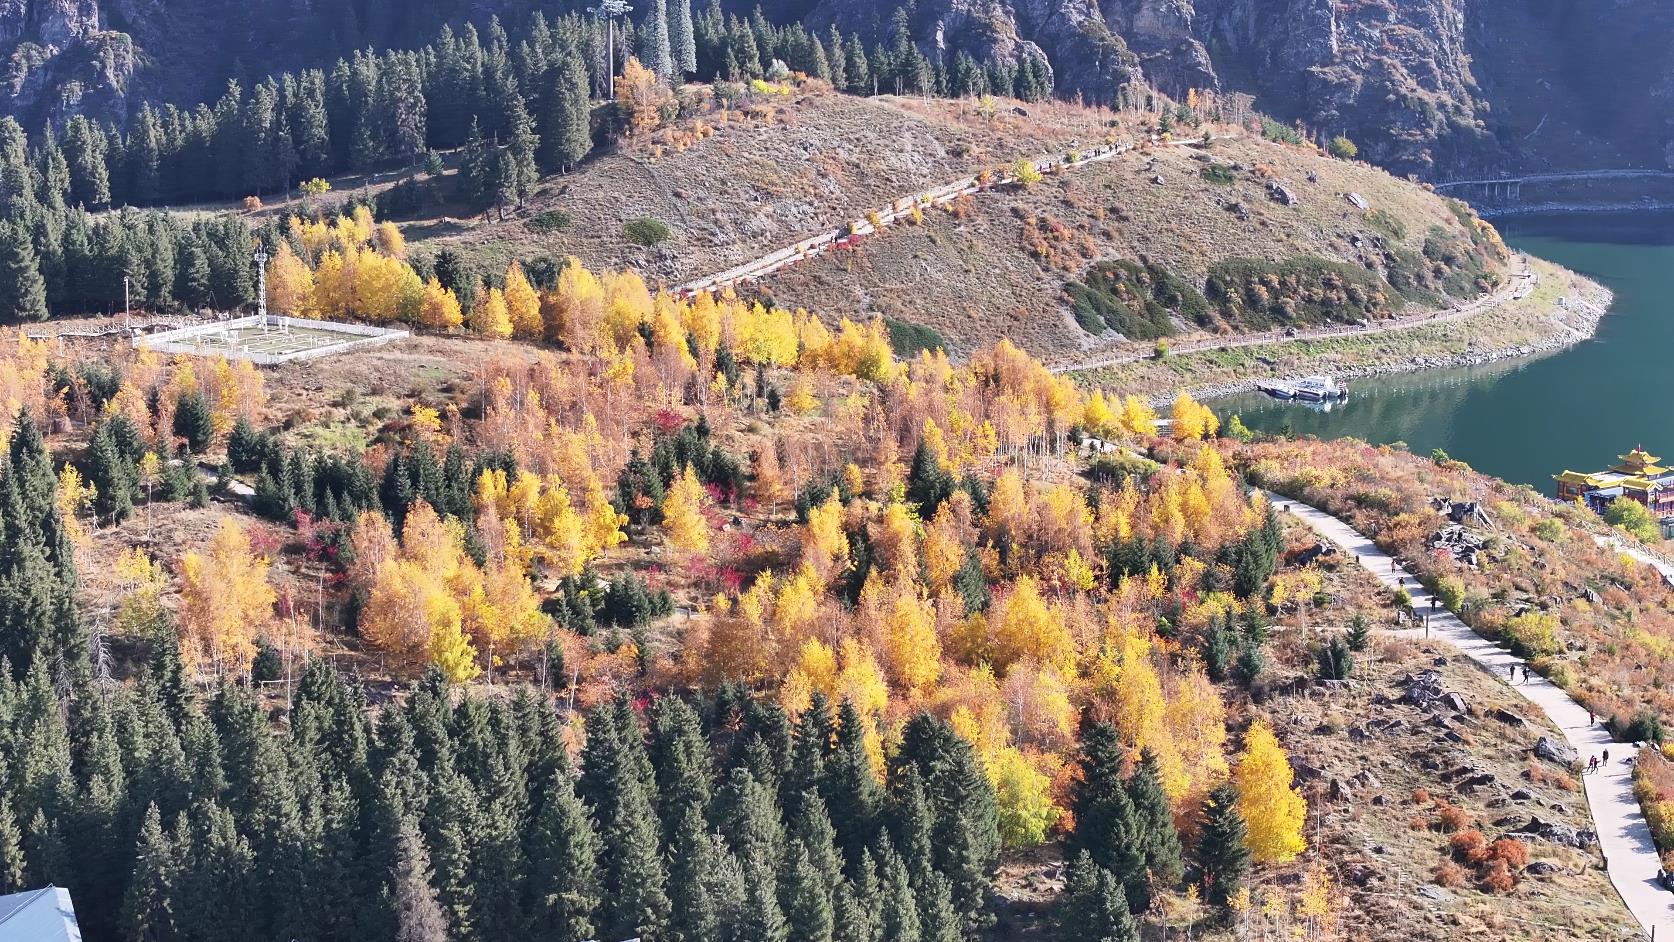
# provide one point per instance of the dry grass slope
(999, 265)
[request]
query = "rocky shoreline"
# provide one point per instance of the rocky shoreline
(1581, 322)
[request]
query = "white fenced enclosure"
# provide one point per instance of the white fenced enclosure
(267, 339)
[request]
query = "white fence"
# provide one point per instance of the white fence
(270, 339)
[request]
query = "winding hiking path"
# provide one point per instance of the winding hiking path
(1624, 838)
(1520, 285)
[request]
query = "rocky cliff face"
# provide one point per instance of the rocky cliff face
(1437, 88)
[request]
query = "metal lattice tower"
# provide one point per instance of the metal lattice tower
(609, 10)
(261, 281)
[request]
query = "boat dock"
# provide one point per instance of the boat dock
(1309, 389)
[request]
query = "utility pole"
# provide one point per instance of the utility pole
(127, 307)
(609, 10)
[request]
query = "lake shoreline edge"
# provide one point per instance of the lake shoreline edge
(1590, 310)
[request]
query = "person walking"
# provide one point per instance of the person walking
(1591, 719)
(1511, 672)
(1606, 758)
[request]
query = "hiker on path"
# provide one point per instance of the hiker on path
(1606, 758)
(1592, 763)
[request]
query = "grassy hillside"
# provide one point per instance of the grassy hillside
(1166, 240)
(736, 184)
(1016, 262)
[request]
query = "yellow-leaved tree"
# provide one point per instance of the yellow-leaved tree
(683, 519)
(440, 309)
(523, 305)
(1273, 810)
(418, 592)
(1191, 420)
(490, 317)
(290, 284)
(75, 494)
(911, 647)
(226, 603)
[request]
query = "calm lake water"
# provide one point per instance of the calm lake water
(1526, 420)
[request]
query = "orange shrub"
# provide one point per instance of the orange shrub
(1450, 817)
(1496, 877)
(1451, 874)
(1469, 845)
(1421, 796)
(1514, 852)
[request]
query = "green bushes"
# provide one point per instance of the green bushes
(1283, 133)
(1388, 223)
(1135, 299)
(556, 220)
(1257, 294)
(645, 231)
(1463, 261)
(1632, 517)
(907, 339)
(1533, 634)
(1218, 173)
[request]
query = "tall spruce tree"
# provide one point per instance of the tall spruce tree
(563, 857)
(418, 917)
(682, 37)
(1106, 825)
(1154, 820)
(566, 120)
(148, 907)
(1221, 857)
(654, 48)
(1094, 908)
(22, 289)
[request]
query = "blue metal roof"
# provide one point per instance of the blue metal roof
(43, 915)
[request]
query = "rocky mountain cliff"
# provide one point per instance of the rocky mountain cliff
(1436, 88)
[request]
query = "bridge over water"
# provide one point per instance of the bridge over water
(1509, 189)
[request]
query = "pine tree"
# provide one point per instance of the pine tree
(654, 46)
(1221, 858)
(418, 917)
(1160, 843)
(148, 908)
(522, 144)
(1359, 633)
(84, 151)
(897, 906)
(563, 857)
(681, 37)
(746, 812)
(1094, 907)
(680, 758)
(616, 781)
(1106, 824)
(854, 905)
(112, 474)
(218, 890)
(698, 881)
(805, 897)
(13, 866)
(22, 289)
(566, 121)
(480, 169)
(850, 790)
(450, 824)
